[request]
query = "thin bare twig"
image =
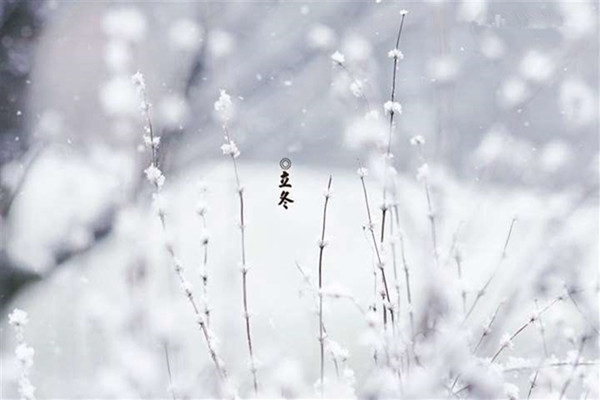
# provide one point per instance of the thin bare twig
(523, 327)
(430, 211)
(204, 271)
(244, 268)
(139, 81)
(388, 154)
(171, 387)
(575, 365)
(530, 321)
(321, 248)
(380, 263)
(482, 291)
(583, 314)
(310, 285)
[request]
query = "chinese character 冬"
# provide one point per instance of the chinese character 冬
(284, 199)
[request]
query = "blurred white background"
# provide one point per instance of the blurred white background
(505, 95)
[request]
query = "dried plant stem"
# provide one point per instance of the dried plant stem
(204, 275)
(411, 316)
(551, 365)
(514, 335)
(583, 314)
(482, 291)
(406, 271)
(373, 305)
(430, 211)
(484, 334)
(349, 297)
(393, 93)
(575, 365)
(380, 263)
(408, 291)
(149, 129)
(388, 154)
(310, 285)
(171, 388)
(353, 78)
(454, 254)
(321, 248)
(488, 328)
(523, 327)
(394, 261)
(208, 336)
(463, 292)
(176, 263)
(533, 381)
(244, 267)
(542, 330)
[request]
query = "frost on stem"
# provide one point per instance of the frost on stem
(157, 179)
(151, 142)
(18, 319)
(417, 140)
(423, 177)
(506, 341)
(378, 248)
(230, 149)
(357, 89)
(396, 54)
(202, 208)
(423, 172)
(338, 58)
(322, 243)
(138, 81)
(23, 353)
(392, 107)
(224, 108)
(155, 176)
(481, 292)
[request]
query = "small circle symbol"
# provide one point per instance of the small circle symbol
(285, 163)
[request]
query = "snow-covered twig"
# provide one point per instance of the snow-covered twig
(24, 353)
(322, 244)
(362, 172)
(169, 374)
(506, 342)
(157, 179)
(204, 240)
(571, 294)
(332, 346)
(456, 255)
(486, 331)
(395, 219)
(224, 107)
(488, 328)
(423, 175)
(482, 291)
(391, 107)
(542, 330)
(356, 86)
(584, 339)
(406, 280)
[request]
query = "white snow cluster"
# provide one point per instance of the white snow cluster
(338, 58)
(23, 353)
(392, 106)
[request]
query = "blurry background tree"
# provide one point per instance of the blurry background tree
(20, 24)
